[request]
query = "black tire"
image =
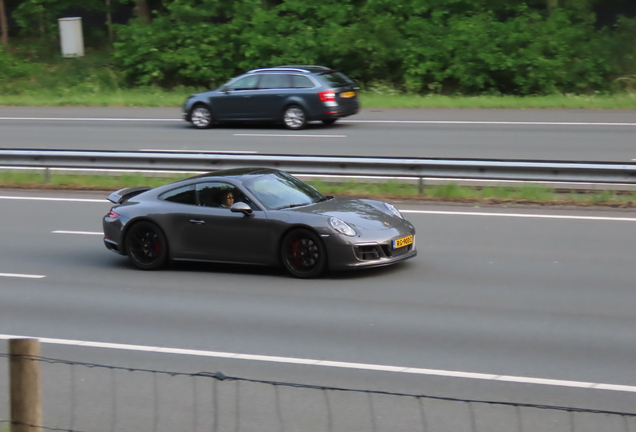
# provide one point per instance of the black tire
(294, 117)
(201, 116)
(303, 254)
(147, 246)
(329, 121)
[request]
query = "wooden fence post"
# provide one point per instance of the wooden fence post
(26, 392)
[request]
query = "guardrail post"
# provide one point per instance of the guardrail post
(420, 185)
(47, 175)
(26, 393)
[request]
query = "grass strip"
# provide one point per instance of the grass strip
(391, 190)
(156, 97)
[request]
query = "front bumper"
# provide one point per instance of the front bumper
(361, 254)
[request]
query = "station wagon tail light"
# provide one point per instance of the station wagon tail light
(327, 96)
(112, 214)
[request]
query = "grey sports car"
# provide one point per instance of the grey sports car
(255, 216)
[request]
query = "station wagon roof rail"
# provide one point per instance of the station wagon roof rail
(279, 69)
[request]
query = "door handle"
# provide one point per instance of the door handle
(197, 222)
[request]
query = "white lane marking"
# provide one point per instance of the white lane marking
(336, 364)
(291, 136)
(521, 215)
(484, 122)
(54, 199)
(90, 119)
(198, 151)
(26, 276)
(77, 232)
(434, 212)
(455, 122)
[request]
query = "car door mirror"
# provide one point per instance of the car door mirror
(241, 207)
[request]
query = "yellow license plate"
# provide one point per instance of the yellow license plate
(405, 241)
(347, 94)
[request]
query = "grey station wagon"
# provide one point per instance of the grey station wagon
(292, 95)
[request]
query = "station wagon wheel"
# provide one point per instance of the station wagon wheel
(303, 254)
(201, 117)
(294, 117)
(147, 246)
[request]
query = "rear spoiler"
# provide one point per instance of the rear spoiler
(125, 194)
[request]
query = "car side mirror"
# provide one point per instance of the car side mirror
(241, 207)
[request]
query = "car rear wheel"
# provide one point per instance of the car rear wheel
(294, 117)
(147, 246)
(303, 254)
(201, 117)
(329, 121)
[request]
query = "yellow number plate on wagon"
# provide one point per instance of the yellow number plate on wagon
(347, 94)
(405, 241)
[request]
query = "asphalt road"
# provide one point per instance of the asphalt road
(542, 295)
(583, 135)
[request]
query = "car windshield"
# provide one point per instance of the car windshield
(337, 79)
(280, 190)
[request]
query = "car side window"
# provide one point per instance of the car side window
(182, 195)
(246, 83)
(219, 195)
(274, 81)
(299, 81)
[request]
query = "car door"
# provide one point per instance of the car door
(215, 233)
(235, 100)
(273, 90)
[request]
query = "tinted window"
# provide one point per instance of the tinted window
(274, 81)
(245, 83)
(299, 81)
(337, 79)
(183, 195)
(216, 194)
(280, 190)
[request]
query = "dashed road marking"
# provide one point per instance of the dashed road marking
(24, 276)
(77, 232)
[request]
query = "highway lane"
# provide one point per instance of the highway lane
(522, 296)
(493, 134)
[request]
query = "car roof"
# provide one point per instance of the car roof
(293, 68)
(240, 174)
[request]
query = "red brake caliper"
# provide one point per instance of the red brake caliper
(296, 246)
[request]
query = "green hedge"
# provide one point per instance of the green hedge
(421, 46)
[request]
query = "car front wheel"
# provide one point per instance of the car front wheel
(294, 117)
(201, 117)
(147, 246)
(303, 254)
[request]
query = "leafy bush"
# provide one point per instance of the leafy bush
(422, 46)
(12, 67)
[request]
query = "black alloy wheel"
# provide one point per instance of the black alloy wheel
(147, 246)
(294, 117)
(329, 121)
(201, 117)
(303, 254)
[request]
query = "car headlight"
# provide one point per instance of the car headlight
(342, 227)
(393, 210)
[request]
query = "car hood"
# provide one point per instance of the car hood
(361, 213)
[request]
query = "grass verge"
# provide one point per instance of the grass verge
(156, 97)
(388, 191)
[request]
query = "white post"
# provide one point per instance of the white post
(71, 37)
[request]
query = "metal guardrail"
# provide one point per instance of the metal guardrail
(557, 171)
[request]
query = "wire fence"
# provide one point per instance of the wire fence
(102, 398)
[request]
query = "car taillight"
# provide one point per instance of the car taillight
(327, 96)
(112, 215)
